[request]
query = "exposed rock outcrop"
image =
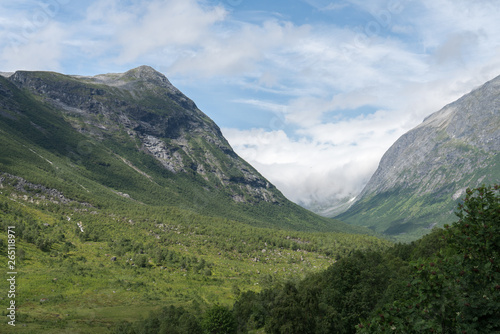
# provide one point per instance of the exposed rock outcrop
(142, 105)
(432, 165)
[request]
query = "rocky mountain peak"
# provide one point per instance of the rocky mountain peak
(147, 74)
(141, 78)
(144, 72)
(6, 74)
(143, 106)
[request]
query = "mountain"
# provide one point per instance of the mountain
(122, 197)
(422, 176)
(136, 136)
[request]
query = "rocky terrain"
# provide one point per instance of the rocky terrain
(432, 165)
(157, 117)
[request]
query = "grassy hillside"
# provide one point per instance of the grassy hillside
(105, 233)
(132, 259)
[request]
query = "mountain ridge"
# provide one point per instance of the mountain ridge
(430, 166)
(136, 125)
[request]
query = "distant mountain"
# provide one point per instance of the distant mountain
(422, 176)
(134, 135)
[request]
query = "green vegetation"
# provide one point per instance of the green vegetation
(109, 240)
(456, 289)
(135, 259)
(405, 215)
(446, 282)
(410, 210)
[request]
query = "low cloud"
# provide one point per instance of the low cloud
(307, 171)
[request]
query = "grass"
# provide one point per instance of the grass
(80, 289)
(178, 238)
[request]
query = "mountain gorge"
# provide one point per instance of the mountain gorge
(422, 176)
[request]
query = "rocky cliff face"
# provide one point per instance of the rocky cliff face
(430, 167)
(142, 108)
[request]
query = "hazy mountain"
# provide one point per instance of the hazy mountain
(421, 177)
(138, 137)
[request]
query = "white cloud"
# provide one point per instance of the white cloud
(169, 23)
(40, 50)
(309, 170)
(246, 50)
(336, 156)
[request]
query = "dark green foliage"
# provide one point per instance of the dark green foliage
(141, 260)
(290, 312)
(323, 303)
(168, 320)
(455, 290)
(218, 320)
(351, 288)
(251, 309)
(446, 282)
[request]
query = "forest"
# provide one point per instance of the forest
(445, 282)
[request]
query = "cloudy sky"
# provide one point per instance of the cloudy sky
(310, 92)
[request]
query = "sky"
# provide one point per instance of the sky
(310, 92)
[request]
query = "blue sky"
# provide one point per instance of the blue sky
(311, 92)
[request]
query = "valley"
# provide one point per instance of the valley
(128, 199)
(82, 268)
(131, 213)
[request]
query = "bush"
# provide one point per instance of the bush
(168, 320)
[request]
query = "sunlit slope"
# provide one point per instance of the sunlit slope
(423, 175)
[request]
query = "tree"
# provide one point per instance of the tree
(218, 320)
(141, 260)
(288, 314)
(476, 238)
(457, 290)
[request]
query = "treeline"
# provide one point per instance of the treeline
(446, 282)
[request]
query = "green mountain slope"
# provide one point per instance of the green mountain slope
(423, 175)
(134, 134)
(124, 198)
